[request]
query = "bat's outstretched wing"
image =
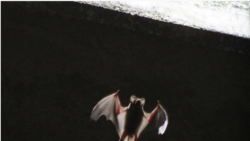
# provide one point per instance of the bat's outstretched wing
(110, 106)
(158, 118)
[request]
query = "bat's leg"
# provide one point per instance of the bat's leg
(123, 136)
(135, 137)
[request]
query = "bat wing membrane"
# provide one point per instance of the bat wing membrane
(110, 106)
(158, 118)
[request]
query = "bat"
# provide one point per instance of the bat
(132, 120)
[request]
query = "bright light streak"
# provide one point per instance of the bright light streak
(227, 17)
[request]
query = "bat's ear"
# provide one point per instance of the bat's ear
(132, 99)
(143, 101)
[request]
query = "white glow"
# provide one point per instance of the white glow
(222, 16)
(162, 129)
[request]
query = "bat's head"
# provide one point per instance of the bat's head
(136, 100)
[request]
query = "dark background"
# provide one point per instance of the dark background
(60, 59)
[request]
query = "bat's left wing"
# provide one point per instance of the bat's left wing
(158, 118)
(110, 106)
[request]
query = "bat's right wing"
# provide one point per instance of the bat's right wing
(158, 118)
(110, 106)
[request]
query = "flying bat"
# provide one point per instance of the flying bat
(132, 120)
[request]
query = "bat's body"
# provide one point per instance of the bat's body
(134, 117)
(132, 120)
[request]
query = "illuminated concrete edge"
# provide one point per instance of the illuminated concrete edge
(225, 17)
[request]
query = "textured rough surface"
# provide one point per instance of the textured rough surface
(229, 17)
(59, 59)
